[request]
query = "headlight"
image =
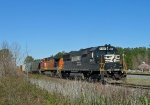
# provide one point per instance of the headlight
(118, 57)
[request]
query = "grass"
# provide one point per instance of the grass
(17, 91)
(83, 93)
(139, 81)
(43, 90)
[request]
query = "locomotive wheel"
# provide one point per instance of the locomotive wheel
(103, 82)
(93, 78)
(60, 75)
(41, 72)
(90, 79)
(64, 75)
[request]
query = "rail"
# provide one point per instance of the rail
(131, 85)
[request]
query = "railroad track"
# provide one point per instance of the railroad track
(138, 74)
(131, 85)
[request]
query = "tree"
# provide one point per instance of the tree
(28, 59)
(135, 56)
(8, 59)
(59, 54)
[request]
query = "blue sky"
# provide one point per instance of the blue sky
(49, 26)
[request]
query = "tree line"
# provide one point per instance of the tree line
(135, 56)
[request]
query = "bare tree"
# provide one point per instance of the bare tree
(15, 49)
(9, 57)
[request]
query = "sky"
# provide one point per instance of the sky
(45, 27)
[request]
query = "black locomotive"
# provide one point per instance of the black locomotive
(94, 63)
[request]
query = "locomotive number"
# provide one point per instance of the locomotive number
(102, 48)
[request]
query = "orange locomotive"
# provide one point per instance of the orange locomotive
(51, 65)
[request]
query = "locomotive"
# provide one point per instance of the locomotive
(95, 63)
(91, 63)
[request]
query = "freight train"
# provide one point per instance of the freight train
(91, 63)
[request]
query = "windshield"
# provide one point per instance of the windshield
(111, 52)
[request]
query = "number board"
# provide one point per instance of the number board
(105, 48)
(102, 48)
